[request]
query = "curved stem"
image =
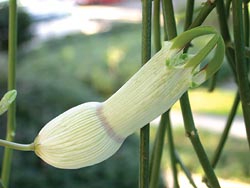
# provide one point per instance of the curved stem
(17, 146)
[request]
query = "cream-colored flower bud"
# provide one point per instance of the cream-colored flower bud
(79, 137)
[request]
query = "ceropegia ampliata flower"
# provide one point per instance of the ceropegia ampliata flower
(92, 132)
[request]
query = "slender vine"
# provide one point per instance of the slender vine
(144, 133)
(241, 66)
(11, 118)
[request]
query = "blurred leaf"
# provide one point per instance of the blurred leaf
(1, 184)
(6, 101)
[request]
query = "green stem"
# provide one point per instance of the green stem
(188, 21)
(187, 113)
(224, 135)
(224, 29)
(11, 119)
(156, 156)
(170, 19)
(165, 18)
(246, 29)
(227, 6)
(144, 132)
(172, 152)
(195, 140)
(220, 7)
(246, 50)
(16, 146)
(171, 33)
(184, 101)
(156, 25)
(157, 152)
(246, 24)
(204, 12)
(189, 14)
(185, 169)
(241, 66)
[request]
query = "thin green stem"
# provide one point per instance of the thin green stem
(187, 112)
(170, 19)
(144, 157)
(195, 140)
(204, 12)
(157, 152)
(246, 28)
(155, 161)
(11, 119)
(188, 21)
(246, 24)
(224, 29)
(241, 66)
(184, 101)
(172, 152)
(144, 132)
(224, 135)
(156, 25)
(227, 6)
(189, 14)
(220, 7)
(171, 33)
(17, 146)
(165, 18)
(185, 169)
(247, 50)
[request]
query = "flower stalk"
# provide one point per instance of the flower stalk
(92, 132)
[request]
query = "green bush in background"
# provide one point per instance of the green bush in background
(23, 26)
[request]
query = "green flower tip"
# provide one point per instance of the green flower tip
(7, 100)
(200, 71)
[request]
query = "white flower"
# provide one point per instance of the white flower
(92, 132)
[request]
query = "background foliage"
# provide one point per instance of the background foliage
(23, 26)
